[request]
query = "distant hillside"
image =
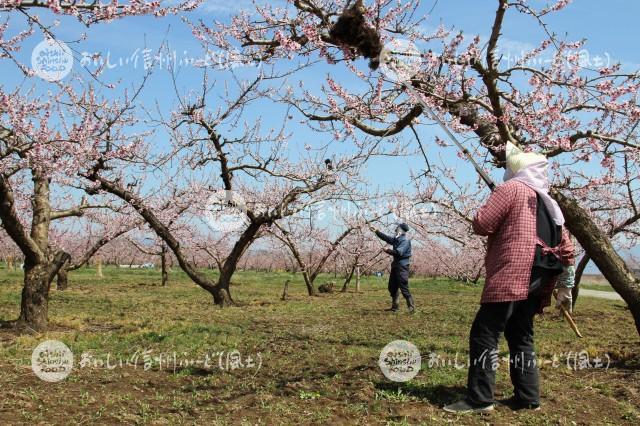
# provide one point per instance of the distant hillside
(600, 279)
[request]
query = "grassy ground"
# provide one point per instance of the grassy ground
(318, 356)
(598, 287)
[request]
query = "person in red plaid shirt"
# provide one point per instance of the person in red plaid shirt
(528, 252)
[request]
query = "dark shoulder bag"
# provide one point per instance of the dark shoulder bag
(546, 264)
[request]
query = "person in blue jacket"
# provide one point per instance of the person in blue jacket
(399, 276)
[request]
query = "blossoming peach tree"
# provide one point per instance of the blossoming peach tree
(227, 164)
(45, 138)
(584, 119)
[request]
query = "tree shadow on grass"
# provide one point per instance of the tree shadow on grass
(438, 395)
(16, 328)
(629, 362)
(191, 371)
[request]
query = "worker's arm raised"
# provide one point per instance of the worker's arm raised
(387, 238)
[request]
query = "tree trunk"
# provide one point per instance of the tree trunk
(34, 306)
(63, 281)
(598, 247)
(100, 269)
(308, 278)
(357, 278)
(582, 265)
(285, 292)
(163, 263)
(221, 293)
(309, 283)
(348, 280)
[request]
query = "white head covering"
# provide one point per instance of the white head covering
(532, 169)
(518, 159)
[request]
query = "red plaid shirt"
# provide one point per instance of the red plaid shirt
(509, 220)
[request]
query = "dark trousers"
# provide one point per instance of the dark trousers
(515, 319)
(399, 282)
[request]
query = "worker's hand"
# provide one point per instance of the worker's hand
(564, 298)
(388, 251)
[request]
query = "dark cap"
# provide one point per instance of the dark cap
(404, 227)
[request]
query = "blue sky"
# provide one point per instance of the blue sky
(126, 39)
(610, 27)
